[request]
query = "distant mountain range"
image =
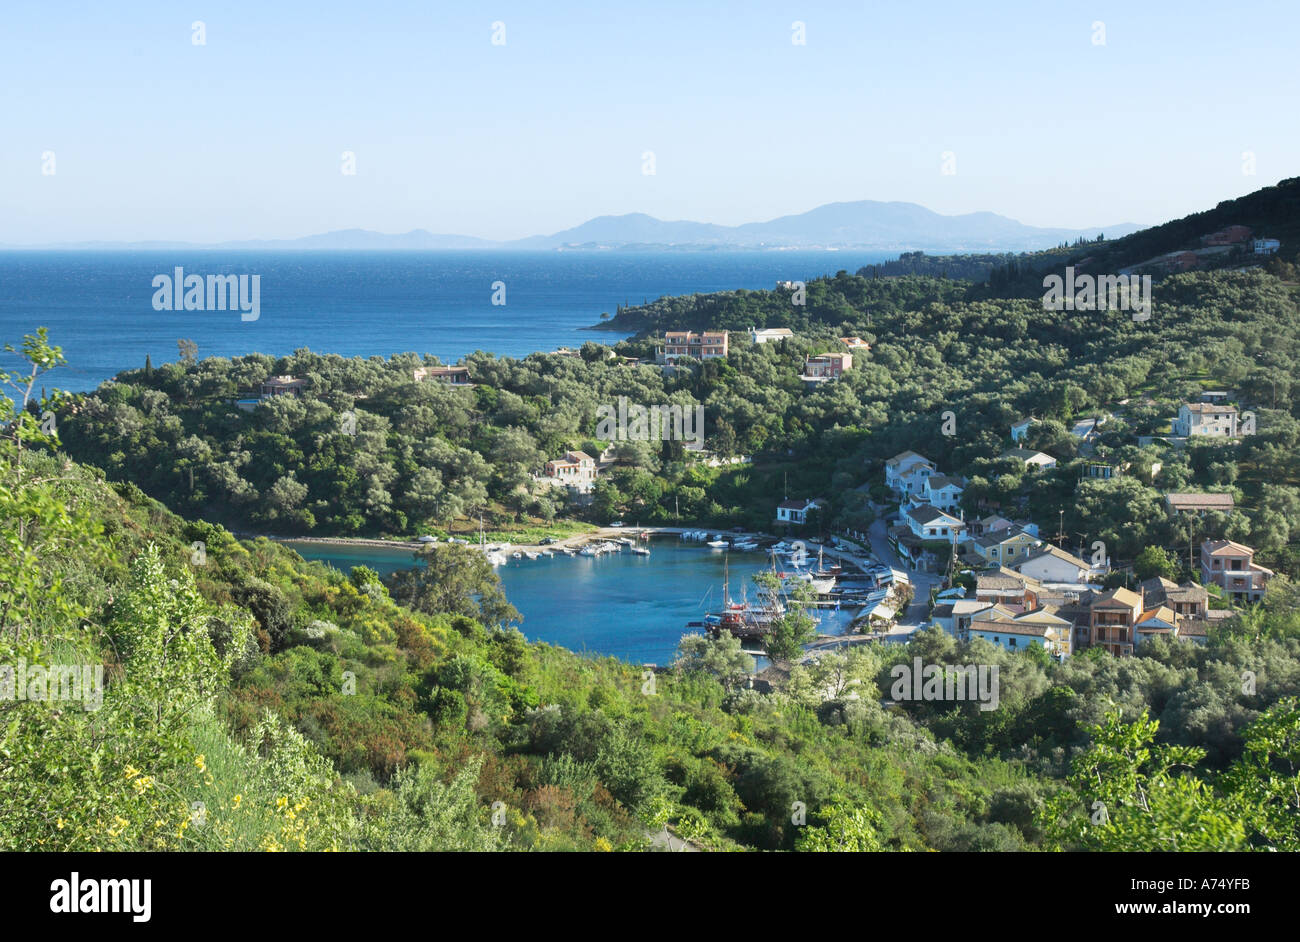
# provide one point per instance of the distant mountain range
(865, 224)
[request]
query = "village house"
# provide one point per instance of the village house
(1199, 503)
(576, 469)
(1004, 547)
(1007, 588)
(1034, 460)
(282, 386)
(1188, 600)
(943, 491)
(708, 345)
(1204, 418)
(906, 472)
(826, 366)
(457, 376)
(1016, 631)
(763, 335)
(1155, 622)
(1266, 246)
(1020, 429)
(856, 343)
(930, 523)
(1114, 615)
(1232, 568)
(954, 616)
(1227, 236)
(988, 524)
(797, 511)
(1052, 564)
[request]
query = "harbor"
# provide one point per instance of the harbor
(632, 592)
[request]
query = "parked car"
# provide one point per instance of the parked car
(428, 539)
(617, 523)
(547, 540)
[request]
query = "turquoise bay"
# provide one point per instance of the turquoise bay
(631, 607)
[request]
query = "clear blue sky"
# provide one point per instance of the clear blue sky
(156, 138)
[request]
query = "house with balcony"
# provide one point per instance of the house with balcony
(1205, 419)
(1186, 503)
(1188, 600)
(1156, 622)
(906, 472)
(281, 386)
(1016, 631)
(707, 345)
(576, 470)
(1007, 588)
(943, 491)
(826, 367)
(457, 376)
(1232, 567)
(1004, 547)
(1113, 617)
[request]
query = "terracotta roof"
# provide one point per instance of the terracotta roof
(1192, 501)
(1226, 548)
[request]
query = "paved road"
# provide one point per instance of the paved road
(922, 583)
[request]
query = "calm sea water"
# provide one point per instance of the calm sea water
(98, 305)
(628, 606)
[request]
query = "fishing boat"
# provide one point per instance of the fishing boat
(531, 555)
(719, 544)
(640, 551)
(589, 550)
(517, 555)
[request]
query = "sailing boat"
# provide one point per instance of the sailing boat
(741, 618)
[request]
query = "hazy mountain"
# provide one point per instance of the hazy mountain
(866, 224)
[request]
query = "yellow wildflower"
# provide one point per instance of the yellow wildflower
(199, 761)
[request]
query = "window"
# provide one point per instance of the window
(1011, 642)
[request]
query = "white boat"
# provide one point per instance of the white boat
(497, 559)
(531, 555)
(624, 540)
(719, 544)
(589, 550)
(745, 546)
(517, 555)
(640, 551)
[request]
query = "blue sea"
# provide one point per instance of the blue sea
(99, 305)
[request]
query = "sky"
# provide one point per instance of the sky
(1014, 108)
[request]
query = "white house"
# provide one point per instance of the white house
(1020, 429)
(1034, 460)
(763, 335)
(1050, 564)
(906, 472)
(942, 491)
(1266, 246)
(931, 523)
(1204, 418)
(796, 511)
(1017, 631)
